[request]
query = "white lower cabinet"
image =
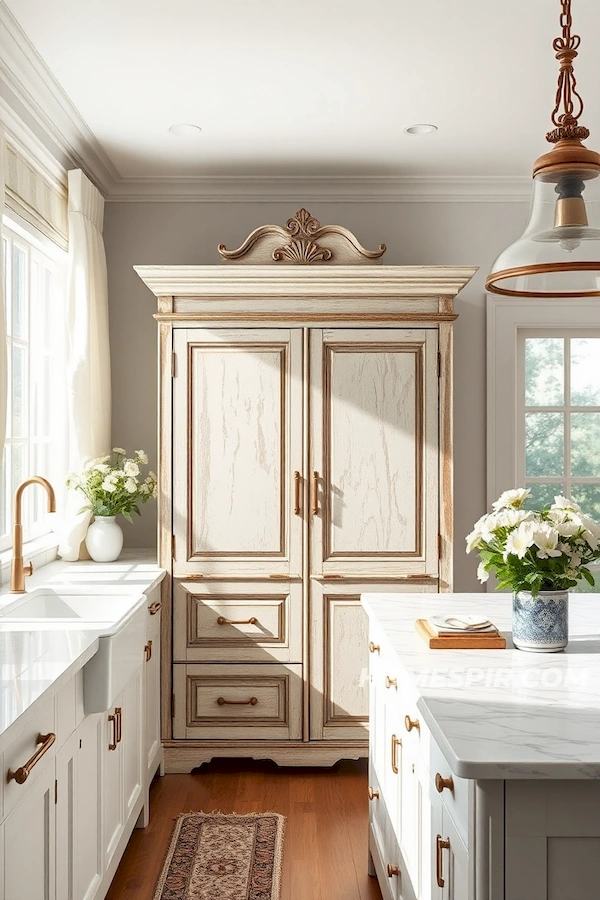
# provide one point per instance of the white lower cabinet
(88, 807)
(130, 734)
(30, 842)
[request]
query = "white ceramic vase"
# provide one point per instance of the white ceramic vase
(104, 539)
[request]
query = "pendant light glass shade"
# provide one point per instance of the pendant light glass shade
(559, 251)
(558, 254)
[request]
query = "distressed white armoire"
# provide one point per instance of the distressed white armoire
(305, 420)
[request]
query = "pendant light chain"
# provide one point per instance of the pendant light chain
(567, 95)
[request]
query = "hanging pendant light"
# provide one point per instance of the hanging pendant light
(558, 255)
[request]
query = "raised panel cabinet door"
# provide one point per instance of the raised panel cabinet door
(131, 742)
(237, 446)
(66, 821)
(374, 507)
(30, 842)
(430, 827)
(152, 695)
(453, 862)
(88, 807)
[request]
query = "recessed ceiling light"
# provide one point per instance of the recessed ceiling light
(184, 129)
(420, 129)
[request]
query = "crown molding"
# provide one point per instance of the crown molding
(28, 78)
(307, 189)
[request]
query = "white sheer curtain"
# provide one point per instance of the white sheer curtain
(89, 354)
(3, 360)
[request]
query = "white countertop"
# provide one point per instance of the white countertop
(36, 663)
(502, 713)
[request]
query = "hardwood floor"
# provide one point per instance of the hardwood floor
(325, 846)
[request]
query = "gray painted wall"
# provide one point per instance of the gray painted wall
(415, 233)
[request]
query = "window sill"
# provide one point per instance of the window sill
(39, 551)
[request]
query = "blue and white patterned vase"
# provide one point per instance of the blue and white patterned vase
(541, 623)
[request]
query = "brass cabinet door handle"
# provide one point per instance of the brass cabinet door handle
(154, 608)
(297, 485)
(374, 648)
(439, 846)
(392, 870)
(409, 724)
(396, 742)
(390, 682)
(373, 794)
(314, 503)
(223, 621)
(148, 651)
(119, 723)
(251, 702)
(22, 774)
(113, 744)
(441, 783)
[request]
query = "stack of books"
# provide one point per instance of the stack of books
(460, 632)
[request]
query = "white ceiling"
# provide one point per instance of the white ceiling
(316, 88)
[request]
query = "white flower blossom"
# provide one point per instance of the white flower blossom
(119, 450)
(515, 499)
(482, 575)
(102, 467)
(572, 573)
(130, 486)
(519, 541)
(131, 468)
(590, 525)
(561, 502)
(144, 489)
(546, 538)
(108, 485)
(591, 539)
(141, 457)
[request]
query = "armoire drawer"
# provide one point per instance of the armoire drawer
(239, 621)
(229, 702)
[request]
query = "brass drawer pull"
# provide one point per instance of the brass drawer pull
(155, 608)
(21, 775)
(374, 648)
(223, 621)
(392, 870)
(396, 742)
(439, 846)
(119, 723)
(297, 484)
(223, 702)
(409, 724)
(390, 682)
(113, 743)
(314, 503)
(148, 651)
(373, 794)
(442, 783)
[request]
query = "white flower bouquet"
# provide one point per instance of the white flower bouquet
(112, 484)
(548, 549)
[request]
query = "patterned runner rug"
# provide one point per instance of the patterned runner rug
(223, 857)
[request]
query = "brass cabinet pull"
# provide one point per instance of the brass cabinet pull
(154, 608)
(392, 870)
(314, 503)
(396, 742)
(374, 648)
(441, 783)
(439, 846)
(373, 794)
(22, 774)
(113, 743)
(251, 702)
(148, 651)
(409, 724)
(390, 682)
(223, 621)
(297, 483)
(119, 723)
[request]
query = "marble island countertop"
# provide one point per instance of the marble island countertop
(36, 661)
(502, 713)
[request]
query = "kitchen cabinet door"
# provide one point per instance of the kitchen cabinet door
(113, 819)
(131, 734)
(88, 806)
(30, 842)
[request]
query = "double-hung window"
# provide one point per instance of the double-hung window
(34, 279)
(544, 401)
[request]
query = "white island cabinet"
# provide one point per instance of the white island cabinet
(82, 781)
(484, 765)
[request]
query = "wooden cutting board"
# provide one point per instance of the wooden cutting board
(482, 640)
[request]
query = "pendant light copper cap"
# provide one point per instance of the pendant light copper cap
(558, 254)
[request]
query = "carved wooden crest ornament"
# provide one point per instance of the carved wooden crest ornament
(301, 246)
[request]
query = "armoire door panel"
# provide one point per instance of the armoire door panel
(238, 406)
(374, 418)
